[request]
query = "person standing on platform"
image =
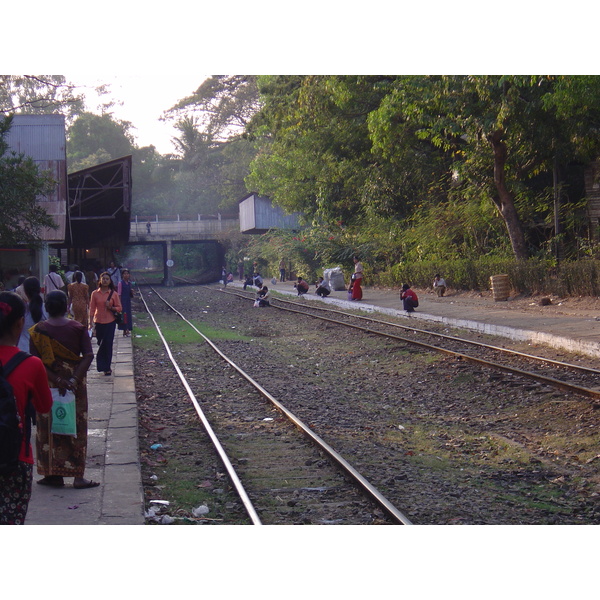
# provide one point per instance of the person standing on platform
(19, 289)
(357, 278)
(79, 299)
(126, 293)
(104, 302)
(53, 281)
(66, 350)
(115, 273)
(30, 388)
(34, 311)
(282, 270)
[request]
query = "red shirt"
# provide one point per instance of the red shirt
(28, 380)
(409, 294)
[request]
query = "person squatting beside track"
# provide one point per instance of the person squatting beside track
(301, 286)
(262, 298)
(409, 298)
(322, 288)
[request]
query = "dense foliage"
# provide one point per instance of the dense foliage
(446, 165)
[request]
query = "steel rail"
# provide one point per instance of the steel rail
(367, 487)
(587, 392)
(532, 357)
(209, 430)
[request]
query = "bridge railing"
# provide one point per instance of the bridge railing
(174, 225)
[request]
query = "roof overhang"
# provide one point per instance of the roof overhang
(99, 208)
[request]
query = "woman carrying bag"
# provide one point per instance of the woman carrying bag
(104, 305)
(66, 350)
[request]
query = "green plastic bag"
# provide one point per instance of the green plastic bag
(63, 413)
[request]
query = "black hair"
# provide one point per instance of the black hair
(405, 287)
(53, 268)
(78, 276)
(56, 303)
(12, 308)
(111, 285)
(32, 289)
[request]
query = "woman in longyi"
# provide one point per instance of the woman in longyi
(66, 350)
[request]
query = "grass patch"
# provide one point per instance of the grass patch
(145, 334)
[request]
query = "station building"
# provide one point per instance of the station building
(91, 208)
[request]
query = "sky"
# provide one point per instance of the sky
(140, 101)
(150, 53)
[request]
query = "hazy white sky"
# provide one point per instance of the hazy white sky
(143, 101)
(153, 51)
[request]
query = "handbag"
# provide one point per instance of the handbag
(118, 315)
(64, 421)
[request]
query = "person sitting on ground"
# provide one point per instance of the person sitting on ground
(439, 285)
(322, 288)
(248, 281)
(409, 299)
(263, 296)
(230, 277)
(301, 286)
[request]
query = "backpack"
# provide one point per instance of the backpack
(11, 428)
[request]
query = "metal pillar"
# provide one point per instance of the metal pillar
(168, 264)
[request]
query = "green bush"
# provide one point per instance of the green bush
(534, 276)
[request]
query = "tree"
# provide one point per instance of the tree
(501, 133)
(39, 94)
(100, 135)
(21, 184)
(222, 105)
(316, 156)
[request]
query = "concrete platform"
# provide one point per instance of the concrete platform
(112, 458)
(562, 326)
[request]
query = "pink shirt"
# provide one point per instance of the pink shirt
(98, 311)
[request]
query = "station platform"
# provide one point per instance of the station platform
(564, 324)
(113, 454)
(112, 457)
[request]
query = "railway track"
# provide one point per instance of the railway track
(289, 472)
(448, 440)
(568, 377)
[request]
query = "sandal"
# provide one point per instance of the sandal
(85, 484)
(51, 481)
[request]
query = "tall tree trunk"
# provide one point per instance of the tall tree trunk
(505, 201)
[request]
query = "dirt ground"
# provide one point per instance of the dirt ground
(588, 306)
(489, 449)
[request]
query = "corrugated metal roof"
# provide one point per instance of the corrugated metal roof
(40, 136)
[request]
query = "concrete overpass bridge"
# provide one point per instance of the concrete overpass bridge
(167, 231)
